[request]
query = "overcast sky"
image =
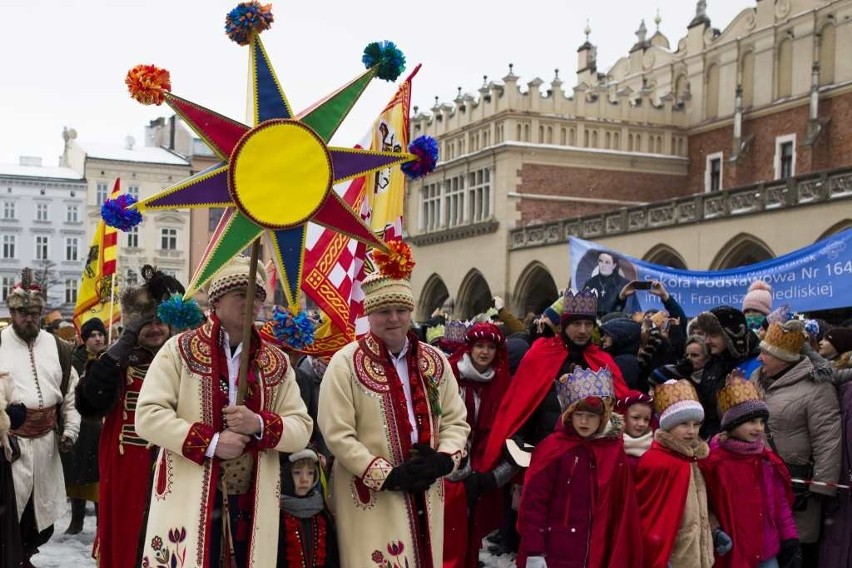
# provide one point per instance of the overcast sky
(63, 62)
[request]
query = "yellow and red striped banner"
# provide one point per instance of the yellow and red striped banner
(95, 294)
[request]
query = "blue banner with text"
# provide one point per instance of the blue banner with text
(817, 277)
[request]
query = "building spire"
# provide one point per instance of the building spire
(658, 20)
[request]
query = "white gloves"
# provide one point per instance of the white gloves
(498, 303)
(536, 562)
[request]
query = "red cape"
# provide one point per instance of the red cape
(531, 383)
(616, 539)
(735, 494)
(662, 481)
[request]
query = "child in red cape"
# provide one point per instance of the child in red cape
(637, 409)
(579, 507)
(748, 485)
(670, 488)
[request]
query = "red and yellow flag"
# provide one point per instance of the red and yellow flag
(334, 263)
(95, 296)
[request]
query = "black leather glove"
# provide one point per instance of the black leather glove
(401, 479)
(790, 555)
(121, 349)
(476, 484)
(428, 463)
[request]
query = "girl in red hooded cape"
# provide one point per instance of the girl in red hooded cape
(473, 496)
(748, 485)
(579, 506)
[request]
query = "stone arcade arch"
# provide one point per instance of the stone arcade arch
(435, 294)
(836, 228)
(474, 296)
(665, 255)
(536, 290)
(741, 250)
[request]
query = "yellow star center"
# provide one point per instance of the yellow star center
(280, 157)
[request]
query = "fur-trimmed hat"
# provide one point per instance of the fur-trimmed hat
(840, 338)
(139, 303)
(785, 340)
(758, 297)
(92, 325)
(740, 402)
(234, 276)
(26, 294)
(677, 402)
(728, 322)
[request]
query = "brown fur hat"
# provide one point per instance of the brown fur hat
(140, 303)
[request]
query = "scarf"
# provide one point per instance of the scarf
(303, 507)
(739, 446)
(469, 372)
(695, 449)
(636, 447)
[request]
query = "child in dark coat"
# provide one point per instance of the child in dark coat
(748, 486)
(306, 536)
(579, 507)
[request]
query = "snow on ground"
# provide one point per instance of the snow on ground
(65, 551)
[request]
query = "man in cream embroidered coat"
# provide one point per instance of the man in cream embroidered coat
(216, 484)
(33, 359)
(391, 414)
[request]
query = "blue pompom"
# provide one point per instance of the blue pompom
(180, 314)
(426, 150)
(115, 213)
(294, 331)
(389, 59)
(247, 18)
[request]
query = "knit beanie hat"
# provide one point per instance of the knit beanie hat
(90, 326)
(758, 297)
(740, 402)
(389, 286)
(677, 402)
(140, 303)
(840, 338)
(234, 276)
(785, 340)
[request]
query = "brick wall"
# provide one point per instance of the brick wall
(588, 183)
(832, 149)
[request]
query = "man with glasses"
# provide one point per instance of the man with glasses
(40, 367)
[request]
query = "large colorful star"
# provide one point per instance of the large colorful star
(274, 177)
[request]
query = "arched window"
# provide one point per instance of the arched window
(784, 69)
(826, 55)
(711, 109)
(747, 70)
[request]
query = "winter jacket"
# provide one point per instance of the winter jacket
(836, 546)
(748, 488)
(804, 422)
(713, 379)
(625, 336)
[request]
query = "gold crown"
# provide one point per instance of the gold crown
(736, 392)
(435, 332)
(671, 392)
(784, 341)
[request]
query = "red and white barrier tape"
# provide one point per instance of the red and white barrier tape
(819, 483)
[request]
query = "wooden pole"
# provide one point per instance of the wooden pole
(111, 309)
(242, 385)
